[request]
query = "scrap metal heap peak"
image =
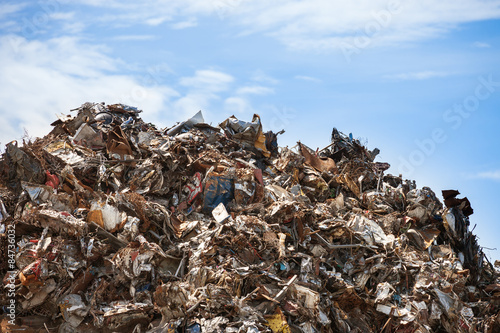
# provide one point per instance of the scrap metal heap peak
(125, 227)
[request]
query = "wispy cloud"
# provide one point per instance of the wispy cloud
(262, 77)
(105, 3)
(63, 16)
(424, 75)
(307, 78)
(191, 22)
(491, 175)
(326, 25)
(481, 45)
(59, 74)
(238, 105)
(73, 27)
(154, 21)
(134, 37)
(207, 80)
(10, 8)
(313, 25)
(203, 89)
(254, 90)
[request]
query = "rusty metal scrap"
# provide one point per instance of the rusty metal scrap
(122, 226)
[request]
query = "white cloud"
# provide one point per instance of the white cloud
(491, 175)
(135, 37)
(307, 78)
(254, 90)
(64, 54)
(8, 25)
(153, 13)
(41, 79)
(191, 22)
(207, 80)
(73, 27)
(64, 16)
(316, 24)
(9, 8)
(424, 75)
(116, 4)
(481, 45)
(189, 104)
(203, 89)
(238, 105)
(262, 77)
(325, 25)
(154, 21)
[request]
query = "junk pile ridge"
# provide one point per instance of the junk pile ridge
(124, 227)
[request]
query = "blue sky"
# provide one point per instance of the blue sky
(418, 79)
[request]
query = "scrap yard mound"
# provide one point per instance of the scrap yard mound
(110, 224)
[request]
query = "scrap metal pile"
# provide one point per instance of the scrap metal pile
(124, 227)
